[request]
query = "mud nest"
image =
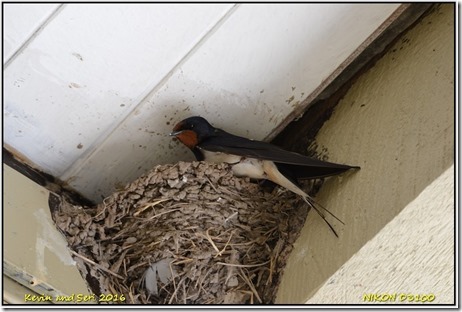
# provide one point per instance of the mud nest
(189, 233)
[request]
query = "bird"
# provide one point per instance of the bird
(256, 159)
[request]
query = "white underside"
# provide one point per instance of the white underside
(243, 166)
(254, 169)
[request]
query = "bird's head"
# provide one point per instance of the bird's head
(192, 131)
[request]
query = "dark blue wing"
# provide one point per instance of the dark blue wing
(296, 165)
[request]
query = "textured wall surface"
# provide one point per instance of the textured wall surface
(397, 123)
(404, 258)
(92, 90)
(34, 252)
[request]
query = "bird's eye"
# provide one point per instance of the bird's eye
(192, 126)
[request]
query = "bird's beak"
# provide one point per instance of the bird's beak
(175, 133)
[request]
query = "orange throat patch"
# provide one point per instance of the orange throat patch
(188, 138)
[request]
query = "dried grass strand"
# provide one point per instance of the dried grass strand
(100, 267)
(244, 265)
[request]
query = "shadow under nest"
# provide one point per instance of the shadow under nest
(188, 233)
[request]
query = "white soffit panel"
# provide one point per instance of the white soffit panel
(87, 69)
(20, 22)
(247, 68)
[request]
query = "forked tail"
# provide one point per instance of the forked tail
(274, 175)
(313, 204)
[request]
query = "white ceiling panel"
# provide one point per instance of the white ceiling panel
(20, 22)
(87, 69)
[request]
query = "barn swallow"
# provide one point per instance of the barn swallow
(255, 159)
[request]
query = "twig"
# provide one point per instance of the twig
(104, 209)
(244, 265)
(231, 216)
(246, 279)
(176, 290)
(213, 186)
(116, 266)
(274, 256)
(162, 213)
(184, 292)
(99, 266)
(207, 235)
(130, 293)
(226, 245)
(152, 204)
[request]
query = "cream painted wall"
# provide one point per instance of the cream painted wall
(91, 90)
(397, 123)
(404, 258)
(35, 254)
